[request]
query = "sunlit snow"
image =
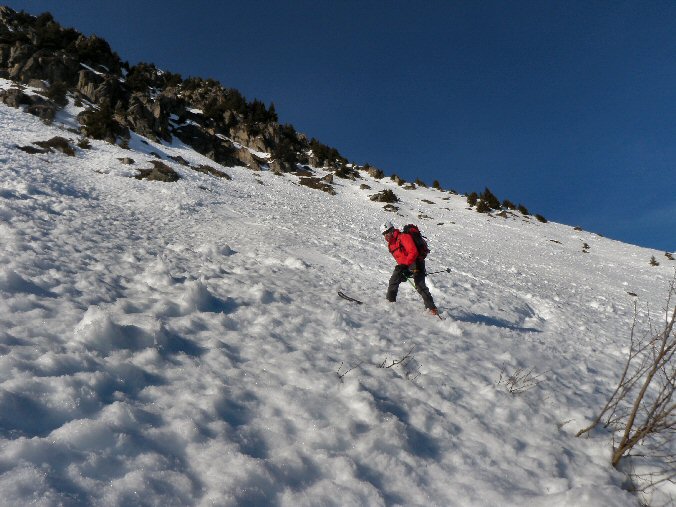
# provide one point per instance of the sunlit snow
(183, 343)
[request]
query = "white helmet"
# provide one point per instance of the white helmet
(386, 226)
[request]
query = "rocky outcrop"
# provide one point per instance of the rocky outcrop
(149, 117)
(317, 184)
(95, 52)
(27, 63)
(100, 88)
(15, 97)
(102, 123)
(217, 122)
(399, 181)
(207, 169)
(386, 195)
(346, 172)
(374, 172)
(46, 111)
(202, 141)
(159, 172)
(57, 143)
(35, 105)
(251, 161)
(255, 141)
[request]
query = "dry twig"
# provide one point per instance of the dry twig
(641, 410)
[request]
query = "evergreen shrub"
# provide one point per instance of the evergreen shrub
(483, 207)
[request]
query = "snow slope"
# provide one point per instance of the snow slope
(183, 343)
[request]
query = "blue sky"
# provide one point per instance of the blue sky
(566, 107)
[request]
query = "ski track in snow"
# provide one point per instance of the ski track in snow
(181, 344)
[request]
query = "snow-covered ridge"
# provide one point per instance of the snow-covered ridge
(183, 344)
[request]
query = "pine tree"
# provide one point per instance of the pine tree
(483, 207)
(490, 199)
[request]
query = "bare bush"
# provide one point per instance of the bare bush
(341, 373)
(520, 381)
(641, 411)
(407, 362)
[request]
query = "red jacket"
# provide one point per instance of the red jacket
(402, 247)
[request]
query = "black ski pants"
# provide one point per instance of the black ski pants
(399, 275)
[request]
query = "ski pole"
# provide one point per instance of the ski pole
(447, 270)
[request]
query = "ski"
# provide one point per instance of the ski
(348, 298)
(345, 296)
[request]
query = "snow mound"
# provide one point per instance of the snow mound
(98, 332)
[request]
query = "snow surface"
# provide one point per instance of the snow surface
(183, 343)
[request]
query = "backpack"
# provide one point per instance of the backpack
(418, 239)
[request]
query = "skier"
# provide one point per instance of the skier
(403, 249)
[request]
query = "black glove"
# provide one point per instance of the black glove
(405, 272)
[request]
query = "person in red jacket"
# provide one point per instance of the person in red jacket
(403, 249)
